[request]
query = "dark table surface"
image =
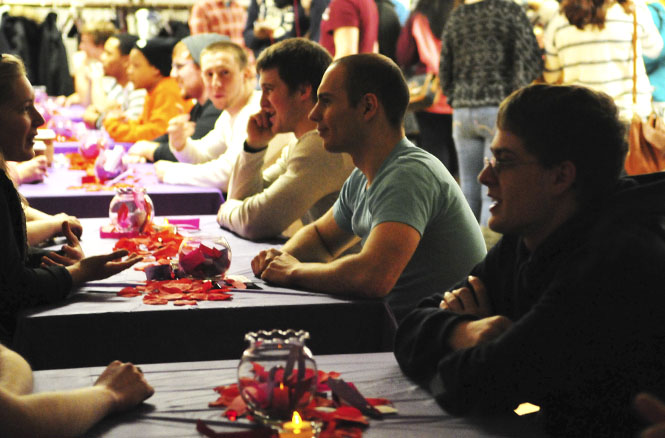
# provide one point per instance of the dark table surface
(54, 194)
(183, 391)
(94, 325)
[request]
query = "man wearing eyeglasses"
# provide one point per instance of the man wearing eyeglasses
(567, 310)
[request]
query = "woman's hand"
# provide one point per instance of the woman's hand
(71, 252)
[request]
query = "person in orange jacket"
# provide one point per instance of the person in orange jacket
(149, 68)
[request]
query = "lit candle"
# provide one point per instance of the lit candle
(297, 428)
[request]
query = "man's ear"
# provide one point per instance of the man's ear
(369, 105)
(249, 72)
(305, 91)
(565, 174)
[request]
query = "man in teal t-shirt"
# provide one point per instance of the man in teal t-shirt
(418, 234)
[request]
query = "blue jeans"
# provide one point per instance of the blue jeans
(473, 131)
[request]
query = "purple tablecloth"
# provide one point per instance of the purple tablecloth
(66, 147)
(54, 196)
(95, 326)
(183, 390)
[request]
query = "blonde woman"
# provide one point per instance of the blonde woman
(28, 279)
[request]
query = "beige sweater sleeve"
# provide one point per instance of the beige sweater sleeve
(264, 204)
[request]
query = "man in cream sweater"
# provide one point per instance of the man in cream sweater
(306, 179)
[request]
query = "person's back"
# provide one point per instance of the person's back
(350, 27)
(488, 51)
(222, 17)
(655, 66)
(601, 58)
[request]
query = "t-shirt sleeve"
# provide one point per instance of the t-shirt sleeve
(343, 13)
(412, 197)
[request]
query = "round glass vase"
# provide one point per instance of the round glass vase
(277, 374)
(204, 257)
(131, 209)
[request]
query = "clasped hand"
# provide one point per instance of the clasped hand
(468, 300)
(274, 266)
(126, 384)
(473, 301)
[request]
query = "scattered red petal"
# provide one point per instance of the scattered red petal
(154, 301)
(128, 292)
(218, 297)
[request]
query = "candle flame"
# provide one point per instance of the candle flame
(296, 420)
(281, 385)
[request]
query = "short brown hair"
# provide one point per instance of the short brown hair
(558, 123)
(379, 75)
(228, 46)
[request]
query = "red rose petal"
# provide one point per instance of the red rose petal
(154, 301)
(218, 297)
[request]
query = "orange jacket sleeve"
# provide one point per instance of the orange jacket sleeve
(162, 104)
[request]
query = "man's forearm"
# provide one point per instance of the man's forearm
(61, 414)
(15, 373)
(308, 246)
(344, 276)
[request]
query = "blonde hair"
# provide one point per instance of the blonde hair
(11, 68)
(227, 46)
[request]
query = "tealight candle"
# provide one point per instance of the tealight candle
(297, 428)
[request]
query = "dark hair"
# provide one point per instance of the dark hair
(127, 42)
(298, 61)
(437, 13)
(582, 12)
(228, 46)
(378, 75)
(560, 123)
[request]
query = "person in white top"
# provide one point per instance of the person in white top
(591, 46)
(229, 80)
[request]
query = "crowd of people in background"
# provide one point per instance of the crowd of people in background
(298, 112)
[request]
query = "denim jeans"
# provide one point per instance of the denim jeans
(473, 131)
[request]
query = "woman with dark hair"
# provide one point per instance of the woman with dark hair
(29, 278)
(418, 51)
(488, 51)
(590, 44)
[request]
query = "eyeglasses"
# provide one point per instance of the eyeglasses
(499, 166)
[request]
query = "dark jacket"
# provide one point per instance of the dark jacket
(204, 116)
(22, 283)
(588, 308)
(52, 66)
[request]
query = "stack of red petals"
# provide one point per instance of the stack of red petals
(182, 292)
